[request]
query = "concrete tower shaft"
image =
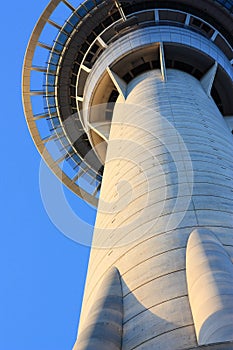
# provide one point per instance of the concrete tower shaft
(163, 178)
(138, 96)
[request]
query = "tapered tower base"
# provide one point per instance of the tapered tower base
(135, 95)
(162, 179)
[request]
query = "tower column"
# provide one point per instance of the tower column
(163, 177)
(136, 96)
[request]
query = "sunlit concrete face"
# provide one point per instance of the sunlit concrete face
(167, 145)
(138, 96)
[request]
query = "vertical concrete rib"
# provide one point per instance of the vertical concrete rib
(162, 62)
(163, 178)
(210, 286)
(103, 325)
(208, 79)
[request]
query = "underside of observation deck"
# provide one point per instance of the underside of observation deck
(84, 36)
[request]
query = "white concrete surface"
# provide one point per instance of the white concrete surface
(210, 287)
(168, 170)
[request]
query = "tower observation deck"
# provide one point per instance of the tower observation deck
(134, 113)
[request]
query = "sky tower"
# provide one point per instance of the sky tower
(134, 113)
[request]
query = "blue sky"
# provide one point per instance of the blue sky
(42, 271)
